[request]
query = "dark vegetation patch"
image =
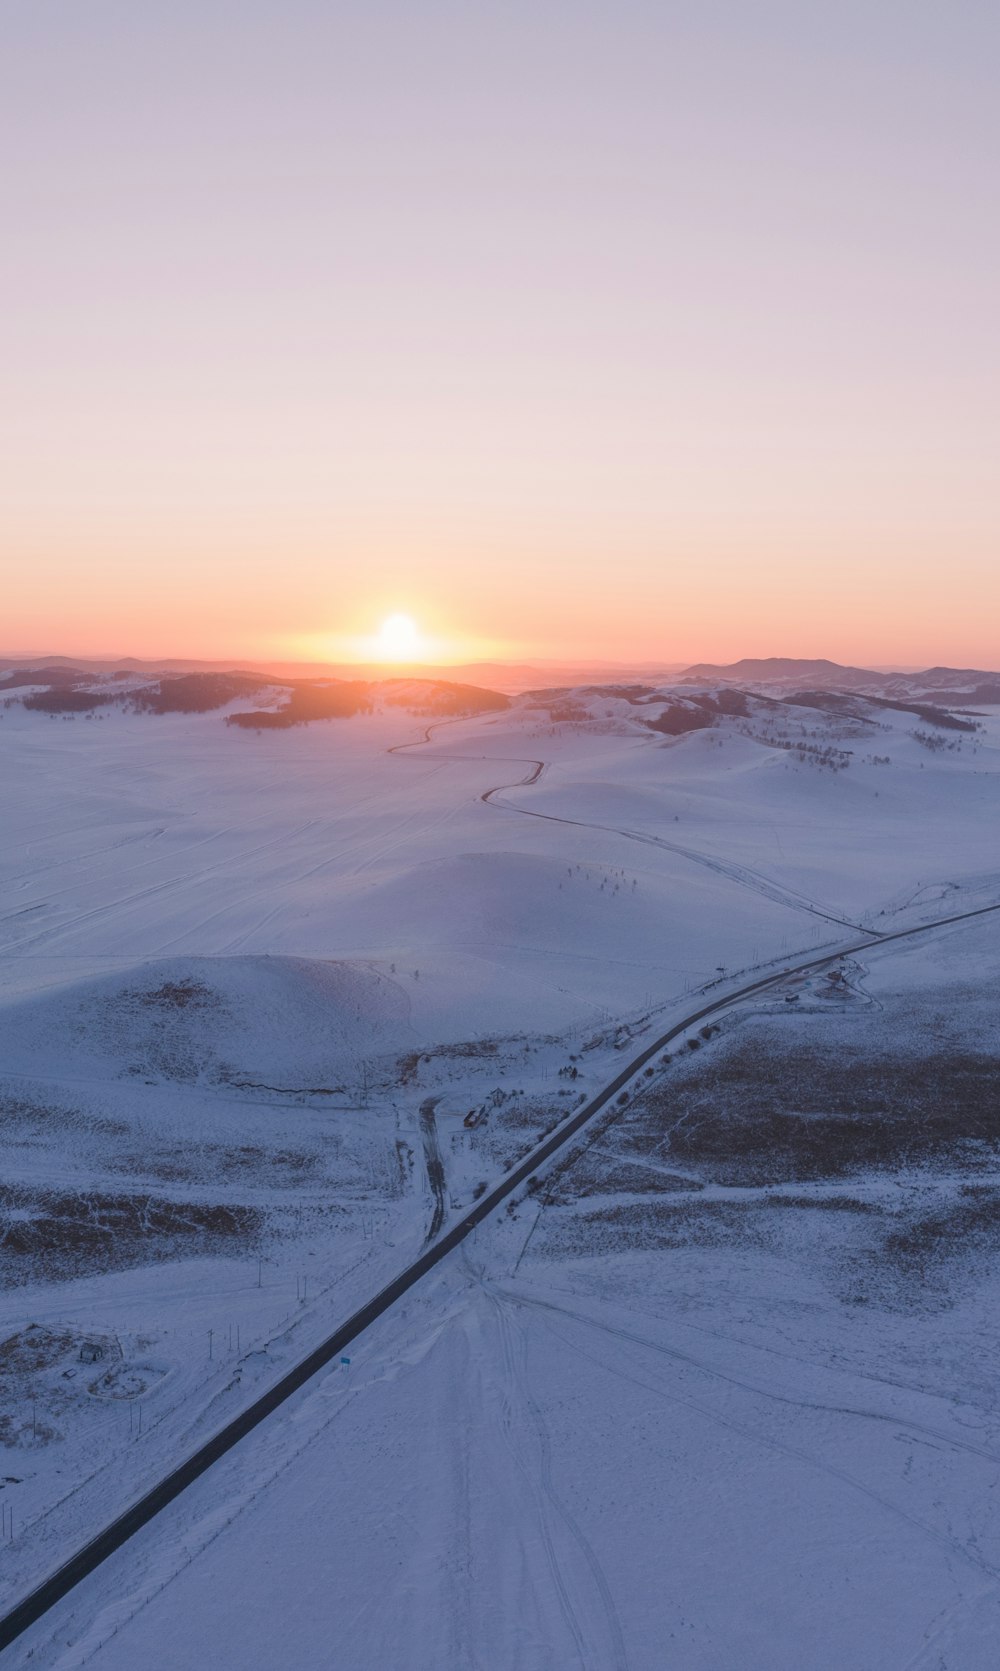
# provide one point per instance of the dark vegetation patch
(828, 702)
(24, 1429)
(199, 693)
(57, 678)
(635, 1227)
(159, 1030)
(22, 1117)
(826, 1203)
(969, 1222)
(32, 1349)
(464, 1050)
(561, 705)
(442, 696)
(536, 1116)
(929, 714)
(569, 713)
(54, 1234)
(678, 718)
(697, 713)
(514, 1124)
(596, 1174)
(309, 702)
(766, 1111)
(637, 695)
(728, 701)
(67, 701)
(177, 995)
(915, 1259)
(246, 1163)
(677, 714)
(762, 1113)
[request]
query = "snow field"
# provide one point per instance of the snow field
(234, 968)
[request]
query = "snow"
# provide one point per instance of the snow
(233, 969)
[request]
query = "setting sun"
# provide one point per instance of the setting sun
(398, 639)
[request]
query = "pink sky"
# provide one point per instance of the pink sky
(635, 330)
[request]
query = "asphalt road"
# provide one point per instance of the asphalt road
(45, 1596)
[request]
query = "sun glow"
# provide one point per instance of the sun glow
(399, 639)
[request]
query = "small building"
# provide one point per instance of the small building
(91, 1351)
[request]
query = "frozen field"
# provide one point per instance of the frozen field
(721, 1393)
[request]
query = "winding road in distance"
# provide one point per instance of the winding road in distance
(742, 875)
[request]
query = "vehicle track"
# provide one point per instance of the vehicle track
(434, 1164)
(743, 875)
(104, 1544)
(542, 1498)
(756, 1388)
(57, 931)
(517, 1385)
(651, 1384)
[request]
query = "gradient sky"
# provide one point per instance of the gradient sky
(625, 329)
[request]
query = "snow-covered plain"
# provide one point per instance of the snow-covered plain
(676, 1408)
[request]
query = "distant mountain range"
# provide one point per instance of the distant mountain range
(505, 676)
(774, 670)
(976, 684)
(778, 674)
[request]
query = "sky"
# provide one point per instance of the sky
(612, 328)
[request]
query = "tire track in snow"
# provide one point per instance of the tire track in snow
(25, 876)
(507, 1424)
(755, 1388)
(519, 1380)
(946, 1541)
(127, 870)
(58, 930)
(434, 1165)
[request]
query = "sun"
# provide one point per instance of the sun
(398, 639)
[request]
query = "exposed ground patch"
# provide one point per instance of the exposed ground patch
(56, 1234)
(890, 1130)
(765, 1112)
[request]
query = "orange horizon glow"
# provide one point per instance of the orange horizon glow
(856, 609)
(654, 335)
